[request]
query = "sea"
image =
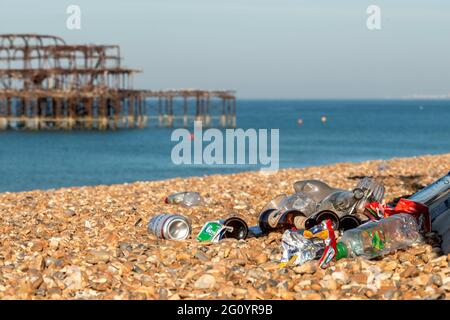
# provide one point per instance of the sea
(311, 132)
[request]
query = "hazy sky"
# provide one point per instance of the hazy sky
(262, 48)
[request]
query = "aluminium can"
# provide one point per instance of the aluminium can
(239, 228)
(170, 227)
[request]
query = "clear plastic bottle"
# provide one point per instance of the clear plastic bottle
(344, 202)
(299, 201)
(186, 199)
(315, 189)
(285, 212)
(275, 202)
(378, 238)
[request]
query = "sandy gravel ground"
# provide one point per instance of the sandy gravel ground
(92, 242)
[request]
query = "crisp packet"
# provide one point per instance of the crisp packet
(297, 249)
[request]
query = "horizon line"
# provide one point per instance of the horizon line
(344, 98)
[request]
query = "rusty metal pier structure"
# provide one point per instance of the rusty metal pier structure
(48, 84)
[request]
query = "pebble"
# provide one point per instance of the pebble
(270, 266)
(307, 268)
(331, 284)
(69, 213)
(340, 276)
(410, 271)
(360, 277)
(74, 278)
(206, 281)
(201, 256)
(436, 280)
(422, 280)
(97, 256)
(390, 266)
(312, 296)
(261, 258)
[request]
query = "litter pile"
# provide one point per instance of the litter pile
(94, 243)
(313, 216)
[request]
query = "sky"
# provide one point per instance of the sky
(306, 49)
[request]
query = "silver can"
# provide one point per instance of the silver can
(170, 227)
(434, 192)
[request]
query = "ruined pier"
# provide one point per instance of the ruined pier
(48, 84)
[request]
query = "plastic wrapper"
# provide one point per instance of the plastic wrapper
(297, 249)
(419, 211)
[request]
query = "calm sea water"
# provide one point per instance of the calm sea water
(355, 131)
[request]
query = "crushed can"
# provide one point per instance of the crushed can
(170, 227)
(210, 232)
(232, 227)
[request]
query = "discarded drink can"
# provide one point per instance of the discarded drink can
(239, 228)
(274, 220)
(210, 232)
(214, 231)
(348, 222)
(436, 196)
(170, 227)
(323, 216)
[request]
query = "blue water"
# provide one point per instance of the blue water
(354, 131)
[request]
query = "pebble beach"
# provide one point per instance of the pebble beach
(93, 243)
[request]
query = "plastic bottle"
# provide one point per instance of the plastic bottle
(372, 191)
(186, 199)
(342, 202)
(377, 238)
(289, 212)
(315, 189)
(275, 202)
(300, 202)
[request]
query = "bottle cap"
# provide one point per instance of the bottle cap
(341, 251)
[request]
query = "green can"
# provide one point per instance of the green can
(210, 231)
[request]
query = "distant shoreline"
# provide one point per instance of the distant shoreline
(424, 98)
